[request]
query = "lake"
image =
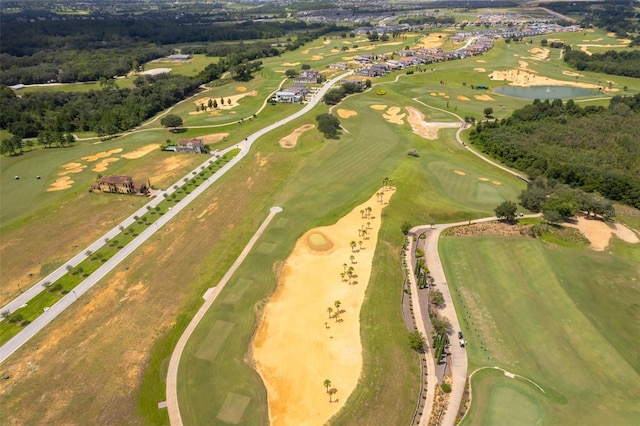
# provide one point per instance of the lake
(545, 92)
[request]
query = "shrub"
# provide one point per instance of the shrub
(413, 153)
(446, 388)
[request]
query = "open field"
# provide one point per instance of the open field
(558, 324)
(116, 341)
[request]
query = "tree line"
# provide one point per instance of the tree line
(624, 63)
(595, 149)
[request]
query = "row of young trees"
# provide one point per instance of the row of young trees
(595, 149)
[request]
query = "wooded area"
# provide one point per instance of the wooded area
(593, 148)
(611, 62)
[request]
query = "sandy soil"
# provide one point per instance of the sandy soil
(103, 165)
(599, 233)
(103, 154)
(463, 98)
(432, 40)
(424, 129)
(539, 54)
(227, 105)
(169, 164)
(525, 79)
(346, 113)
(297, 346)
(379, 107)
(459, 172)
(72, 168)
(61, 183)
(393, 116)
(291, 140)
(214, 137)
(141, 152)
(290, 64)
(480, 69)
(483, 97)
(316, 57)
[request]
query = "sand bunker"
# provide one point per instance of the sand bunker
(432, 40)
(585, 47)
(141, 152)
(484, 179)
(213, 138)
(291, 140)
(463, 98)
(61, 183)
(103, 165)
(424, 129)
(297, 345)
(483, 97)
(316, 57)
(393, 116)
(100, 155)
(572, 74)
(229, 101)
(379, 107)
(241, 89)
(538, 53)
(525, 79)
(459, 172)
(346, 113)
(480, 69)
(290, 64)
(305, 52)
(72, 168)
(599, 233)
(481, 61)
(495, 182)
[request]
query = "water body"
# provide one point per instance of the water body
(545, 92)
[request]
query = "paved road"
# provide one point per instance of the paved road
(39, 323)
(172, 374)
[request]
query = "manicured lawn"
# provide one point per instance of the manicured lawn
(562, 317)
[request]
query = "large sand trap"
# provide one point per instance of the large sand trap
(379, 107)
(141, 152)
(525, 79)
(483, 97)
(599, 233)
(103, 165)
(346, 113)
(424, 129)
(103, 154)
(393, 116)
(61, 183)
(538, 53)
(213, 137)
(229, 101)
(294, 351)
(463, 98)
(72, 168)
(291, 140)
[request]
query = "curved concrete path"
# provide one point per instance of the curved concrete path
(172, 374)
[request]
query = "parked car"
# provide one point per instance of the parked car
(459, 334)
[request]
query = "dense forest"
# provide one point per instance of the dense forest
(595, 149)
(81, 49)
(625, 63)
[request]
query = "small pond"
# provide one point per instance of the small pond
(545, 92)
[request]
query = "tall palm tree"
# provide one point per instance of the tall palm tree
(327, 384)
(331, 393)
(344, 267)
(352, 258)
(337, 304)
(362, 214)
(360, 244)
(342, 274)
(330, 311)
(353, 245)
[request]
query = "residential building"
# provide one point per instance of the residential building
(194, 145)
(117, 184)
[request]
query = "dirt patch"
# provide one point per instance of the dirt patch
(459, 172)
(463, 98)
(379, 107)
(332, 346)
(393, 116)
(483, 97)
(291, 140)
(103, 165)
(103, 154)
(599, 233)
(141, 152)
(168, 165)
(424, 129)
(480, 69)
(61, 183)
(213, 138)
(346, 113)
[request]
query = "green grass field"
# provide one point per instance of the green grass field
(565, 318)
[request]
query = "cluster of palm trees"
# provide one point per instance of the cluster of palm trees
(348, 272)
(335, 314)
